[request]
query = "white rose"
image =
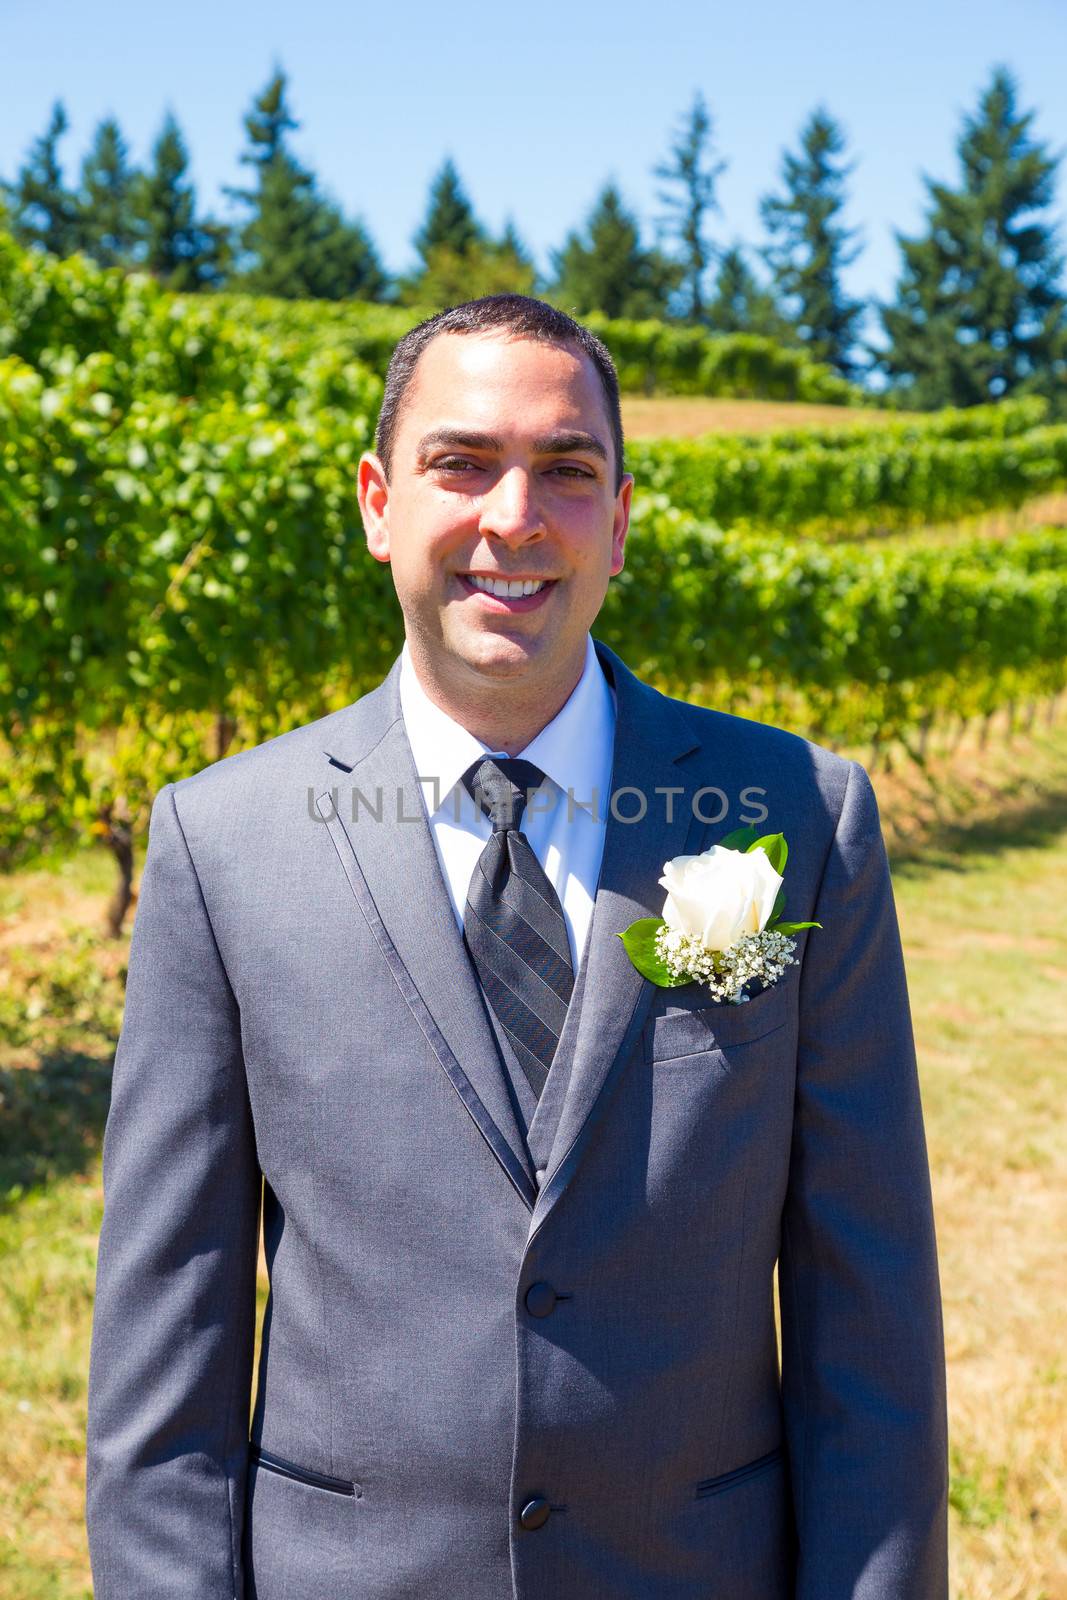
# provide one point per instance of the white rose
(721, 895)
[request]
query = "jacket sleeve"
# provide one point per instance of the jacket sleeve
(174, 1317)
(863, 1374)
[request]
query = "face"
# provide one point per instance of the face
(503, 472)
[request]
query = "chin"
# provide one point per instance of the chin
(501, 656)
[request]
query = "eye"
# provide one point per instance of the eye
(569, 471)
(454, 464)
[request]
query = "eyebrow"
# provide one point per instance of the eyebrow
(551, 444)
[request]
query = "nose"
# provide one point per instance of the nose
(510, 508)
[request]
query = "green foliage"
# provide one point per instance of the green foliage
(980, 310)
(44, 211)
(450, 222)
(640, 942)
(181, 550)
(459, 258)
(690, 178)
(761, 369)
(655, 357)
(774, 848)
(178, 527)
(609, 270)
(295, 242)
(848, 641)
(652, 357)
(362, 332)
(740, 304)
(870, 479)
(61, 311)
(451, 276)
(107, 227)
(180, 251)
(56, 315)
(810, 246)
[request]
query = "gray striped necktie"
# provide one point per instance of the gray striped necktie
(513, 923)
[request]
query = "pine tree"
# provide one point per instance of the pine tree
(490, 266)
(450, 278)
(450, 219)
(690, 197)
(810, 246)
(980, 310)
(43, 210)
(295, 241)
(609, 270)
(740, 304)
(181, 251)
(343, 262)
(105, 200)
(512, 249)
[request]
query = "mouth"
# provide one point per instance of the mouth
(506, 594)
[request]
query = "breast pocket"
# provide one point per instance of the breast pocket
(685, 1023)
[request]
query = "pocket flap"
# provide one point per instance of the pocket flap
(685, 1022)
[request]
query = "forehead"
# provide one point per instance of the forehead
(500, 381)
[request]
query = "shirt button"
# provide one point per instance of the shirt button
(535, 1513)
(539, 1175)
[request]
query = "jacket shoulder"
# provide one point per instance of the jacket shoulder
(301, 752)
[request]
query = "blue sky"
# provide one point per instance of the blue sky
(538, 106)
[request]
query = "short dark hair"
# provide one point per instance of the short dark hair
(517, 314)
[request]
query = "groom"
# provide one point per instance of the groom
(521, 1207)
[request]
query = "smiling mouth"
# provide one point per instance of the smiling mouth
(506, 588)
(503, 597)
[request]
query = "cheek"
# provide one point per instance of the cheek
(589, 539)
(422, 541)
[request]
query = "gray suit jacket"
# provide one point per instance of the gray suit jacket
(473, 1384)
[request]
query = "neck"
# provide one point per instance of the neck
(504, 714)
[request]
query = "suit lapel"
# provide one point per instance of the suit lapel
(394, 873)
(652, 736)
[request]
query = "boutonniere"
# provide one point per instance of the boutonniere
(722, 919)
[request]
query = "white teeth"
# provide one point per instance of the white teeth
(505, 589)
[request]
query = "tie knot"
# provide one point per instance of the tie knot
(501, 786)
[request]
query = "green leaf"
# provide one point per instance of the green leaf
(778, 906)
(789, 928)
(739, 839)
(640, 942)
(776, 848)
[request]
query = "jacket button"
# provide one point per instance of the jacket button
(535, 1512)
(540, 1299)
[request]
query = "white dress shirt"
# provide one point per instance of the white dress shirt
(564, 820)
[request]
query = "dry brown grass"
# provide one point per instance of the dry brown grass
(981, 884)
(688, 416)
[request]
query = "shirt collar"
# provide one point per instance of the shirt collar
(574, 749)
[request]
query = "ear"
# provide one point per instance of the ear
(621, 524)
(373, 491)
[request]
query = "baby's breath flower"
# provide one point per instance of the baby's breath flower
(755, 955)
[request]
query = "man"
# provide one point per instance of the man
(521, 1206)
